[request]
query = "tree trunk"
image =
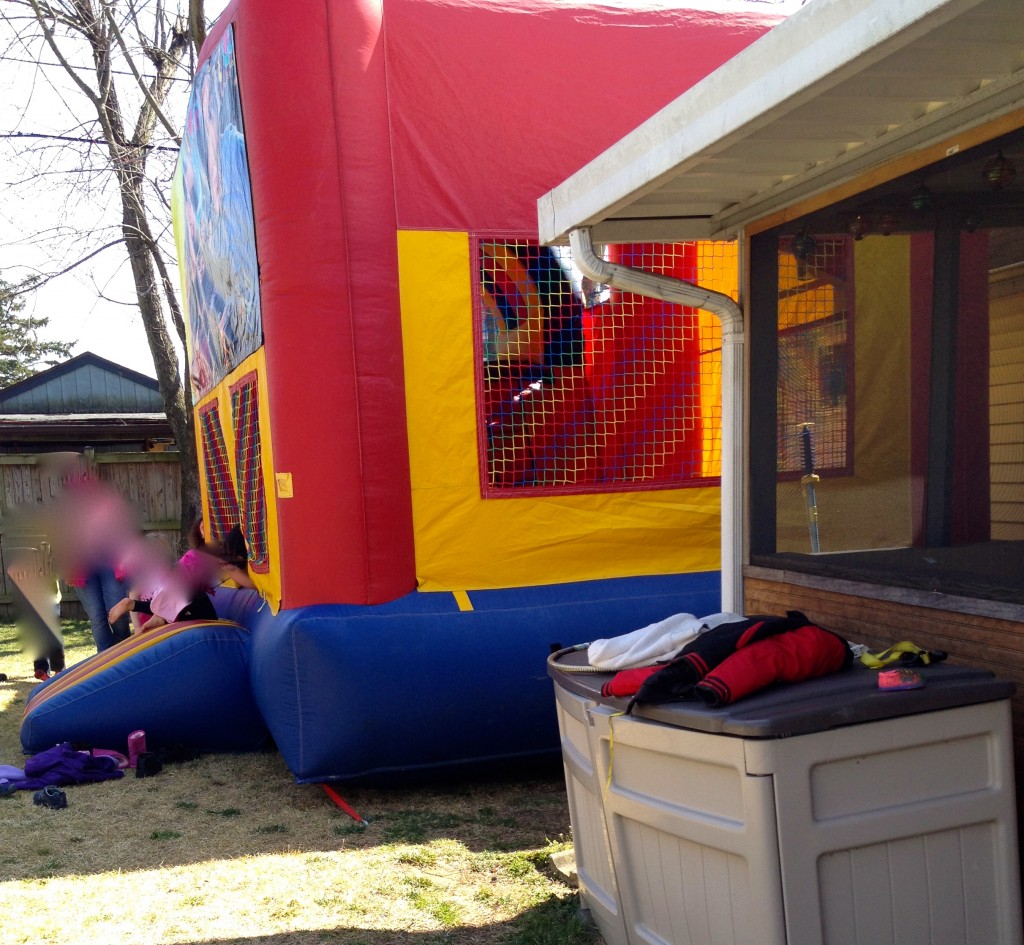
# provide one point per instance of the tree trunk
(177, 402)
(99, 23)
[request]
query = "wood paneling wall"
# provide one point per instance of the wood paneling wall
(1006, 399)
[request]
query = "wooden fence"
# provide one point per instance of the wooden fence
(151, 482)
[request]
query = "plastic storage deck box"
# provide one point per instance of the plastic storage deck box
(826, 812)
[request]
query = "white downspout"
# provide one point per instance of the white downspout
(670, 289)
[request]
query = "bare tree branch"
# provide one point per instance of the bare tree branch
(102, 28)
(70, 138)
(197, 20)
(42, 13)
(48, 277)
(157, 110)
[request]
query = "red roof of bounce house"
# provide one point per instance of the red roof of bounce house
(363, 117)
(494, 103)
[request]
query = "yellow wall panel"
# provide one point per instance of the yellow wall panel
(466, 542)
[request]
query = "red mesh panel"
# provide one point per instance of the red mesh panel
(587, 389)
(219, 487)
(245, 418)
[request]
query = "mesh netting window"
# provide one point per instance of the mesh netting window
(248, 466)
(219, 486)
(588, 388)
(815, 352)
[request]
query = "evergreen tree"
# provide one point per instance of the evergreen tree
(22, 353)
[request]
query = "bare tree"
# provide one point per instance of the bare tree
(125, 62)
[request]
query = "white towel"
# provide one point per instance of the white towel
(654, 642)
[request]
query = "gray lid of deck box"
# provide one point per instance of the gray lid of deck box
(849, 697)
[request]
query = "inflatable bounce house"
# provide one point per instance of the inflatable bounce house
(449, 454)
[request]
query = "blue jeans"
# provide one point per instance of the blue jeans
(99, 593)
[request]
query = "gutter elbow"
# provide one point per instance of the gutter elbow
(651, 284)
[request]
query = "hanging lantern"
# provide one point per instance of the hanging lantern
(804, 245)
(921, 199)
(999, 172)
(859, 226)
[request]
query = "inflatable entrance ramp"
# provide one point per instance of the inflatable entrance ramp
(184, 684)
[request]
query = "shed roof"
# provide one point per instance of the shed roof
(835, 90)
(85, 384)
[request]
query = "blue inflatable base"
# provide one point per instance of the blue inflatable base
(416, 688)
(418, 685)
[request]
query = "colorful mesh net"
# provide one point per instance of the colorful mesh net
(219, 486)
(815, 320)
(585, 388)
(248, 465)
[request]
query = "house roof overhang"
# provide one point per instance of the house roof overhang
(92, 427)
(840, 89)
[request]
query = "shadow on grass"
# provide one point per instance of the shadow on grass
(222, 807)
(555, 921)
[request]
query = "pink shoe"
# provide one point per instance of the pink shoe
(42, 674)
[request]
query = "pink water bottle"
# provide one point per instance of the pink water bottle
(136, 746)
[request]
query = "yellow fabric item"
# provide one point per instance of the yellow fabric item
(268, 584)
(178, 229)
(893, 654)
(464, 541)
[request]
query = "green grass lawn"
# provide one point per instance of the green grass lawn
(229, 849)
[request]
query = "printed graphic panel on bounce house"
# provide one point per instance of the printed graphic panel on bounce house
(447, 453)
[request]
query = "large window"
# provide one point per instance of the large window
(887, 357)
